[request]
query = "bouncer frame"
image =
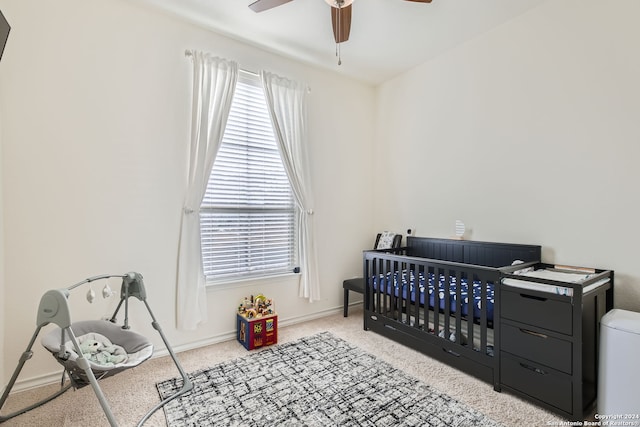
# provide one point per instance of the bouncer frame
(54, 308)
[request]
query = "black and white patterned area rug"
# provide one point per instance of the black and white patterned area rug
(319, 380)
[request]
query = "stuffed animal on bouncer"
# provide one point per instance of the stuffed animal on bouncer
(97, 352)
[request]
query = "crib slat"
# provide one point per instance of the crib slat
(394, 288)
(397, 306)
(414, 311)
(382, 284)
(470, 313)
(436, 300)
(458, 332)
(400, 303)
(389, 285)
(404, 314)
(483, 316)
(413, 303)
(447, 302)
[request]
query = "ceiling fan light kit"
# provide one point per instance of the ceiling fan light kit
(338, 3)
(340, 16)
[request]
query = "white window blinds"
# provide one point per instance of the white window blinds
(247, 217)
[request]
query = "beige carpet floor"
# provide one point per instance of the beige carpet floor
(132, 392)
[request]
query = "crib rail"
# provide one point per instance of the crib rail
(424, 299)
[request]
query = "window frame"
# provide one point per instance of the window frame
(243, 274)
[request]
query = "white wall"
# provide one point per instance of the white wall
(529, 134)
(96, 107)
(3, 307)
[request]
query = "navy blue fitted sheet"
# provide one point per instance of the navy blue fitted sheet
(403, 280)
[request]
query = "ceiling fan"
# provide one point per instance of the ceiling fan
(340, 14)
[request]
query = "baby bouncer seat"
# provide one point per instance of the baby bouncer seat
(71, 345)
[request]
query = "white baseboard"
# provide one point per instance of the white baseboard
(54, 377)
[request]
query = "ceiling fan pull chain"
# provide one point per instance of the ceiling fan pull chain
(340, 3)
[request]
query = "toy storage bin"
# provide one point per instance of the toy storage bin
(257, 332)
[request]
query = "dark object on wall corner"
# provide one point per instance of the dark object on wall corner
(4, 32)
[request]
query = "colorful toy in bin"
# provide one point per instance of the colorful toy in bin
(257, 322)
(255, 307)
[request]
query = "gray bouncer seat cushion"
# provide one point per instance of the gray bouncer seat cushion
(137, 348)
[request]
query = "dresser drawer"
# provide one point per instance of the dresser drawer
(541, 348)
(539, 382)
(524, 306)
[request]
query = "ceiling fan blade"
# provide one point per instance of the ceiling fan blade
(421, 1)
(341, 21)
(262, 5)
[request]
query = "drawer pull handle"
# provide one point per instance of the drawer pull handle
(535, 334)
(537, 298)
(451, 352)
(534, 369)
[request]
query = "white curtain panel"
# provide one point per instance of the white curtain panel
(286, 101)
(214, 82)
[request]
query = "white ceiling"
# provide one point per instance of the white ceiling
(387, 36)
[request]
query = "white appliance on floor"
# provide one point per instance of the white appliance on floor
(619, 365)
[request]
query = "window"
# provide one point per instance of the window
(248, 215)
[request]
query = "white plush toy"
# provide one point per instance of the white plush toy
(97, 352)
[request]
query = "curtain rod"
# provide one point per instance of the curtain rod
(189, 53)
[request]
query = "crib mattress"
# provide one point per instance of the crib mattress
(404, 281)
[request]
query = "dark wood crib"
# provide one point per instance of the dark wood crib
(445, 298)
